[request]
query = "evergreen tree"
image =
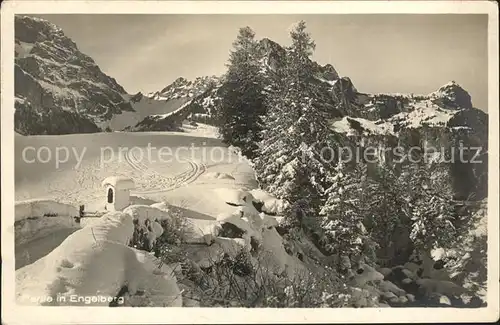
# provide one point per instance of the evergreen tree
(291, 164)
(434, 218)
(344, 213)
(242, 96)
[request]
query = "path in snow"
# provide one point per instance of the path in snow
(159, 183)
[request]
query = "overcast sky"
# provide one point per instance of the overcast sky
(380, 53)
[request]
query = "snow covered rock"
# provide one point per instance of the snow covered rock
(201, 231)
(233, 246)
(271, 204)
(385, 271)
(236, 197)
(205, 256)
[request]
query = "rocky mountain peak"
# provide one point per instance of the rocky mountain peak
(54, 81)
(329, 72)
(453, 95)
(184, 88)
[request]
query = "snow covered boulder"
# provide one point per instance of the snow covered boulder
(43, 208)
(271, 205)
(233, 246)
(205, 256)
(246, 228)
(157, 229)
(199, 231)
(236, 197)
(385, 271)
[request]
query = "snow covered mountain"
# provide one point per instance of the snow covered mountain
(59, 89)
(443, 125)
(196, 99)
(182, 88)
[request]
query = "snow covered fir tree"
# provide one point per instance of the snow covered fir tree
(302, 213)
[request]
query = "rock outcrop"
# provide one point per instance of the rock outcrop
(59, 89)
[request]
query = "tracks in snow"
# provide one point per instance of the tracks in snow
(162, 183)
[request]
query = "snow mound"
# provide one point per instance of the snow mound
(92, 265)
(201, 231)
(41, 208)
(274, 256)
(234, 196)
(151, 283)
(259, 228)
(205, 256)
(271, 204)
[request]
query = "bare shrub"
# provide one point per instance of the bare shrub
(244, 281)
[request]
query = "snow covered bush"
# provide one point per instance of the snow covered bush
(243, 281)
(313, 290)
(168, 247)
(159, 231)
